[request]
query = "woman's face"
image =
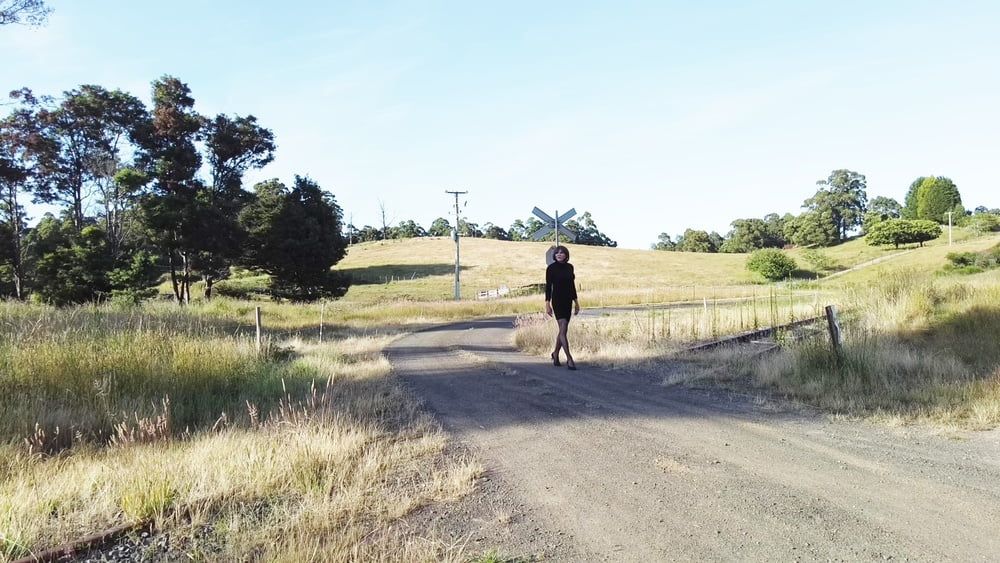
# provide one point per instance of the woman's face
(560, 256)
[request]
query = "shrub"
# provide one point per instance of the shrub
(771, 263)
(973, 262)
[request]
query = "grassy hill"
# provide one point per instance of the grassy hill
(424, 268)
(927, 259)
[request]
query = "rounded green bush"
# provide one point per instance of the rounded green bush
(771, 263)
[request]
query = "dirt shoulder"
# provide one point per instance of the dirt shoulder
(608, 465)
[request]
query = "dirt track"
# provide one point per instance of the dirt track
(605, 465)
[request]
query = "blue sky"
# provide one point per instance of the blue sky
(653, 116)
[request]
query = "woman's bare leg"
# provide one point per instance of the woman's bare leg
(563, 340)
(555, 351)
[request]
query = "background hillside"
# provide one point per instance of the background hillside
(423, 269)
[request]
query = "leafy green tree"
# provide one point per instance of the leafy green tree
(234, 146)
(518, 231)
(120, 201)
(910, 202)
(981, 223)
(171, 214)
(80, 143)
(880, 209)
(440, 228)
(295, 236)
(494, 232)
(369, 233)
(843, 198)
(776, 226)
(932, 197)
(888, 207)
(902, 231)
(467, 229)
(749, 235)
(819, 260)
(696, 241)
(937, 197)
(587, 232)
(136, 278)
(13, 179)
(407, 229)
(70, 266)
(664, 243)
(813, 228)
(29, 12)
(771, 263)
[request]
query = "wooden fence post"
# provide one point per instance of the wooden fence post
(834, 326)
(322, 313)
(259, 339)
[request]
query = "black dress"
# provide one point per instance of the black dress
(560, 288)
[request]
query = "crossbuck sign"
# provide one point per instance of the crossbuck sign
(556, 225)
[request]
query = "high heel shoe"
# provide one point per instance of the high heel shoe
(555, 360)
(571, 366)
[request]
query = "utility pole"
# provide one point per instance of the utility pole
(949, 227)
(458, 283)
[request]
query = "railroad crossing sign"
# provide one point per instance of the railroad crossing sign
(551, 224)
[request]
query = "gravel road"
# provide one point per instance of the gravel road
(599, 465)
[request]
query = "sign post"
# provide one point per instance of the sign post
(553, 224)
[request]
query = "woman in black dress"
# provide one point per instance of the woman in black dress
(561, 301)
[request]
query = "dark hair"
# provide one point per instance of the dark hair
(556, 251)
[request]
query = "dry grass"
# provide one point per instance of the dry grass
(641, 338)
(310, 451)
(927, 259)
(423, 270)
(916, 349)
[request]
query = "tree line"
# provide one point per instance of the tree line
(840, 207)
(585, 229)
(133, 206)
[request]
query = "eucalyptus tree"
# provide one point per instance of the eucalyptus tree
(79, 143)
(440, 227)
(171, 213)
(842, 197)
(748, 235)
(18, 132)
(587, 232)
(12, 225)
(233, 146)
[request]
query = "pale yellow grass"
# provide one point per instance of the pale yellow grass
(927, 259)
(324, 477)
(423, 269)
(918, 349)
(623, 340)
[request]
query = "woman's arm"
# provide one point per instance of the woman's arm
(548, 291)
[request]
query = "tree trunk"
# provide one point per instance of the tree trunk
(187, 278)
(173, 276)
(209, 280)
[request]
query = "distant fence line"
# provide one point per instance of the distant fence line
(493, 293)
